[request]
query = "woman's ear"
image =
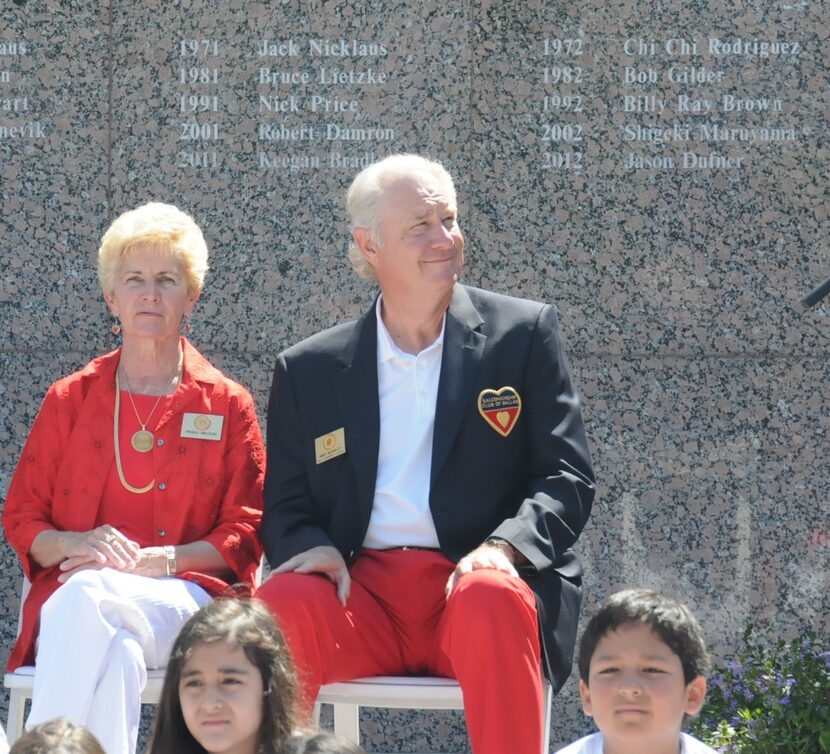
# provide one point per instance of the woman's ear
(192, 298)
(111, 305)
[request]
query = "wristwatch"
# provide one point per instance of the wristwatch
(512, 554)
(170, 563)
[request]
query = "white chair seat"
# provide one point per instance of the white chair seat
(398, 692)
(21, 683)
(395, 692)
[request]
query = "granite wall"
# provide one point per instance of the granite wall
(658, 170)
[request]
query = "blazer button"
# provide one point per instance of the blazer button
(162, 486)
(162, 533)
(159, 442)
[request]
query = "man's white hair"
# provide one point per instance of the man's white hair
(364, 197)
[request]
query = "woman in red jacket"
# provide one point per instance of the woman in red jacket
(138, 493)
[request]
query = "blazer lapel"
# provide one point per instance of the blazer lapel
(356, 388)
(463, 348)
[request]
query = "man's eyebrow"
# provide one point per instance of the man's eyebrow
(426, 212)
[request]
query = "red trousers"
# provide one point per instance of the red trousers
(398, 622)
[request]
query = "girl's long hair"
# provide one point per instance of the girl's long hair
(248, 624)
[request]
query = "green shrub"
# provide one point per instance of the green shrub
(769, 699)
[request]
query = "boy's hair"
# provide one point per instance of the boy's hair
(58, 736)
(248, 624)
(672, 621)
(322, 743)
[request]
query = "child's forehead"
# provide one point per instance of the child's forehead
(633, 637)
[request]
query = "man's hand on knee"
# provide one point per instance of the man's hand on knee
(496, 555)
(325, 560)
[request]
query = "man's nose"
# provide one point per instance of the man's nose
(441, 237)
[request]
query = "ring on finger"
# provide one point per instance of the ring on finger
(109, 539)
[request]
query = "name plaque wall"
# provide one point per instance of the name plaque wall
(684, 104)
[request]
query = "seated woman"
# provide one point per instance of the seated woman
(138, 493)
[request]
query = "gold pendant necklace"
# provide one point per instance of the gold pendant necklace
(142, 439)
(127, 486)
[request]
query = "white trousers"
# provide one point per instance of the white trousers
(99, 633)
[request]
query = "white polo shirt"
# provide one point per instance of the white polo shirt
(407, 392)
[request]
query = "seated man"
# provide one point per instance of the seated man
(427, 474)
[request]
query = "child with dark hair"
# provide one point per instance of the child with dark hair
(59, 736)
(322, 743)
(229, 686)
(642, 666)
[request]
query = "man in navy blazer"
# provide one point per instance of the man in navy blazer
(427, 475)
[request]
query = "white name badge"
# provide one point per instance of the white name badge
(203, 426)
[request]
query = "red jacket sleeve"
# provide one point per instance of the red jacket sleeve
(28, 507)
(236, 533)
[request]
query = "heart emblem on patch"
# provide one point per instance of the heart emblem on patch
(500, 408)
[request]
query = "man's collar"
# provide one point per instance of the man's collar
(386, 346)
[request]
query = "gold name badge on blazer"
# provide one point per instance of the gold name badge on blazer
(330, 445)
(203, 426)
(500, 408)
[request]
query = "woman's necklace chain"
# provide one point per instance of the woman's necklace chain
(142, 439)
(127, 486)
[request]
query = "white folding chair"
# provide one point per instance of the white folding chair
(20, 684)
(399, 692)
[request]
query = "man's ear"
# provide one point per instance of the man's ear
(363, 240)
(695, 695)
(585, 695)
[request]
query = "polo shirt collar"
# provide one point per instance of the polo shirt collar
(387, 350)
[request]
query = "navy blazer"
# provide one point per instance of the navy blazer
(533, 488)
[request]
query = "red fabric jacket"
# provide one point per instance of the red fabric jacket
(205, 490)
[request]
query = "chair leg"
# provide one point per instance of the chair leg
(347, 721)
(315, 715)
(17, 706)
(546, 731)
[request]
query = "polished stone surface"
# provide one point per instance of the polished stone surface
(659, 172)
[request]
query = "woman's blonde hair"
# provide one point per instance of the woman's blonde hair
(161, 227)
